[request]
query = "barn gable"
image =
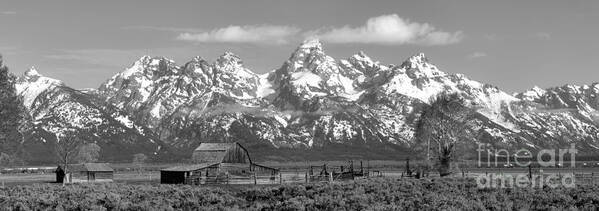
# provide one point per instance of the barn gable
(221, 153)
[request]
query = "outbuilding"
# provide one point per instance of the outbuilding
(87, 172)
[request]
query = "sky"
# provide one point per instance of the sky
(513, 44)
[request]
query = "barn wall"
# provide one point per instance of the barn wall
(103, 175)
(263, 170)
(237, 154)
(203, 173)
(79, 176)
(240, 169)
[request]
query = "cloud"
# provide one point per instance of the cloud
(8, 12)
(542, 35)
(266, 34)
(476, 55)
(390, 30)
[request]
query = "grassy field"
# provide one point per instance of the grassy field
(367, 194)
(293, 172)
(150, 177)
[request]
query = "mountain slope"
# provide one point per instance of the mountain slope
(312, 107)
(56, 108)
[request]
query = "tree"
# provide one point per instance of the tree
(138, 160)
(442, 126)
(88, 153)
(13, 123)
(67, 148)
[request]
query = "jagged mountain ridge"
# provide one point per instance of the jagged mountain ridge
(56, 108)
(317, 107)
(314, 101)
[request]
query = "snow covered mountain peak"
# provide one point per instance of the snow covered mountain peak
(33, 76)
(362, 61)
(416, 61)
(32, 72)
(229, 60)
(311, 43)
(150, 66)
(418, 58)
(418, 66)
(362, 57)
(532, 94)
(310, 51)
(31, 84)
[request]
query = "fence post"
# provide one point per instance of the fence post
(307, 178)
(280, 178)
(330, 176)
(255, 179)
(529, 172)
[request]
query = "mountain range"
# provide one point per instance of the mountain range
(312, 107)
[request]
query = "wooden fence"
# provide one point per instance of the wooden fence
(227, 179)
(587, 178)
(281, 178)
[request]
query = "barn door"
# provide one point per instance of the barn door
(91, 176)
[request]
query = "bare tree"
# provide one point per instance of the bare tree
(138, 160)
(443, 125)
(88, 153)
(67, 148)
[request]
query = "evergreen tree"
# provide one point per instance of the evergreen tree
(12, 114)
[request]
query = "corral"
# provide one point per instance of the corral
(218, 163)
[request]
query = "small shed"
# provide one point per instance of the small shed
(87, 172)
(216, 161)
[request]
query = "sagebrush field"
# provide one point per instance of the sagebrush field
(373, 194)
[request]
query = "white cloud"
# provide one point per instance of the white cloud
(476, 55)
(8, 12)
(268, 34)
(389, 29)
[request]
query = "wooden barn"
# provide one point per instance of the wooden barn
(87, 172)
(216, 162)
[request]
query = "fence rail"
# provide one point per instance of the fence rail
(253, 179)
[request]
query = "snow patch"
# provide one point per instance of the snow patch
(306, 78)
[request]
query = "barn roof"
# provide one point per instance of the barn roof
(212, 152)
(215, 146)
(189, 167)
(210, 156)
(93, 167)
